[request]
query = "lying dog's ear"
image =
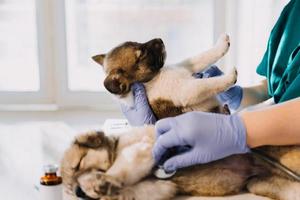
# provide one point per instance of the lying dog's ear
(99, 58)
(91, 140)
(72, 158)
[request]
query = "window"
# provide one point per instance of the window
(95, 26)
(18, 46)
(46, 45)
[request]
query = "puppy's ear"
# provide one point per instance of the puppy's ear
(91, 140)
(99, 58)
(72, 157)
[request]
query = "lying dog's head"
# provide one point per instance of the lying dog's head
(131, 62)
(89, 156)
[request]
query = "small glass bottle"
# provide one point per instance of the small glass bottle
(50, 187)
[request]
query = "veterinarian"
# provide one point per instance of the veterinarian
(211, 136)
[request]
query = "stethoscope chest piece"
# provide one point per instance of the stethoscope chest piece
(162, 174)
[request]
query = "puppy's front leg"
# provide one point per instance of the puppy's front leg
(149, 190)
(195, 91)
(134, 160)
(207, 58)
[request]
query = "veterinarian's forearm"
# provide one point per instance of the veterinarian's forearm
(255, 94)
(275, 125)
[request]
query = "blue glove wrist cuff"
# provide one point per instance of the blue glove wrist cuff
(232, 97)
(239, 127)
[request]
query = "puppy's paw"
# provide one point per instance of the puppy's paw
(223, 44)
(233, 75)
(107, 185)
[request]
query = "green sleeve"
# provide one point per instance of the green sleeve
(284, 39)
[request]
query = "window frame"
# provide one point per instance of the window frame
(53, 62)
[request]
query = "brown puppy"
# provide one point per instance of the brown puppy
(101, 167)
(171, 90)
(109, 167)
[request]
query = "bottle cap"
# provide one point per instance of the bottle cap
(51, 168)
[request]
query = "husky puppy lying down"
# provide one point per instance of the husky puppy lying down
(97, 166)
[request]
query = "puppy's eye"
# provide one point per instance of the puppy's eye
(120, 71)
(101, 170)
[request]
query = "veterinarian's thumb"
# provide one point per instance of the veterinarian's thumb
(180, 161)
(163, 143)
(163, 126)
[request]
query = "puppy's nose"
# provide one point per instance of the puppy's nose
(79, 192)
(112, 86)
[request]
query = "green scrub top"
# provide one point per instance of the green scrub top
(281, 61)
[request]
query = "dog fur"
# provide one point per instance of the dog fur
(103, 167)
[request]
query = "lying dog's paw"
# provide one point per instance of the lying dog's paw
(111, 189)
(223, 44)
(108, 185)
(97, 185)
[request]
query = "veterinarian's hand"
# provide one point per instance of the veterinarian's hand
(140, 113)
(209, 136)
(232, 97)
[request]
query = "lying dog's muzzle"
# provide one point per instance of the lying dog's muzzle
(79, 192)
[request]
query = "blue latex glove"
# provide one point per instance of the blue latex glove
(140, 113)
(209, 136)
(232, 97)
